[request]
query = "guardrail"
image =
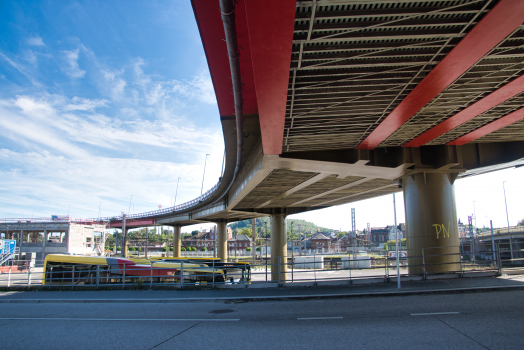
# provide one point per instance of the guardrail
(339, 268)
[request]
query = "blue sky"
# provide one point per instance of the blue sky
(104, 100)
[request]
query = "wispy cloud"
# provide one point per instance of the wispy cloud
(131, 127)
(21, 69)
(37, 41)
(200, 88)
(72, 69)
(86, 182)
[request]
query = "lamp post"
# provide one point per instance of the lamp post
(507, 219)
(176, 193)
(474, 215)
(203, 176)
(129, 210)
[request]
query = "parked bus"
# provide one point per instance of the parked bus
(235, 272)
(61, 269)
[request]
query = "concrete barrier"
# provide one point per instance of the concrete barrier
(361, 262)
(309, 262)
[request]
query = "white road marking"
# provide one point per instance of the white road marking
(320, 318)
(436, 313)
(120, 319)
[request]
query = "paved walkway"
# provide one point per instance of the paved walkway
(455, 285)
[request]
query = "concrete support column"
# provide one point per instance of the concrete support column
(21, 238)
(431, 223)
(176, 240)
(222, 240)
(278, 248)
(124, 245)
(44, 238)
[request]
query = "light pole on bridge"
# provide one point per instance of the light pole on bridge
(203, 176)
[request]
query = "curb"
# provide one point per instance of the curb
(266, 298)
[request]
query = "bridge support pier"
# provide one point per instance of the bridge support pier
(124, 243)
(176, 240)
(221, 240)
(278, 248)
(431, 223)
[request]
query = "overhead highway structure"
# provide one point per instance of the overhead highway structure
(338, 100)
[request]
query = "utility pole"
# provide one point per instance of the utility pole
(254, 239)
(507, 218)
(124, 236)
(396, 239)
(147, 238)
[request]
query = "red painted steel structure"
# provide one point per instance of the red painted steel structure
(500, 22)
(211, 27)
(271, 24)
(489, 128)
(265, 37)
(504, 93)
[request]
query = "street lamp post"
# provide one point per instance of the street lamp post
(507, 219)
(203, 176)
(176, 193)
(474, 215)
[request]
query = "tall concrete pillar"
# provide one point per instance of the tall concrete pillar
(44, 238)
(431, 223)
(21, 238)
(221, 245)
(124, 244)
(278, 248)
(176, 240)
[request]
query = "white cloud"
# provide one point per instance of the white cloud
(84, 104)
(37, 41)
(73, 69)
(21, 69)
(32, 176)
(200, 88)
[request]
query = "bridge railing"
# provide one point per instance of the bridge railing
(165, 211)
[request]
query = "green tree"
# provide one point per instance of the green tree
(385, 246)
(194, 233)
(521, 223)
(246, 231)
(248, 249)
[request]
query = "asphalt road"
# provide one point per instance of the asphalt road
(489, 320)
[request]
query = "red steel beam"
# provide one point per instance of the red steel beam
(270, 24)
(489, 128)
(504, 93)
(500, 22)
(211, 28)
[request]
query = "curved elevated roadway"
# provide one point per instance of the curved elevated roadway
(344, 100)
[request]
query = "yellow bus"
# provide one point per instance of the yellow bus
(62, 269)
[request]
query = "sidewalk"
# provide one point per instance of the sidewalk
(456, 285)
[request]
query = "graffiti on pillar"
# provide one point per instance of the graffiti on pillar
(440, 228)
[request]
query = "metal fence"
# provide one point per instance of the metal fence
(340, 268)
